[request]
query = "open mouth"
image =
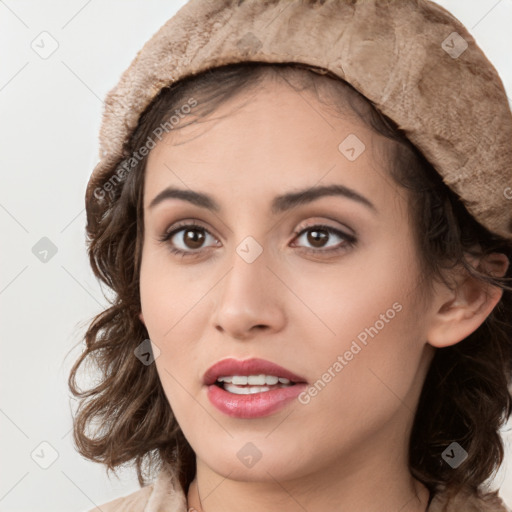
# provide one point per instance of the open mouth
(254, 388)
(251, 384)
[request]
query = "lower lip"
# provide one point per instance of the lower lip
(255, 405)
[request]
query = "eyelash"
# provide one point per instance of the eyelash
(350, 240)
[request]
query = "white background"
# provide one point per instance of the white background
(50, 117)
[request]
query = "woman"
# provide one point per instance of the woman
(303, 209)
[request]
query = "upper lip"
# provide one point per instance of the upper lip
(253, 366)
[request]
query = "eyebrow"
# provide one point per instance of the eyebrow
(279, 204)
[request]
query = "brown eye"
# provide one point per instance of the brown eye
(193, 238)
(322, 239)
(317, 237)
(188, 239)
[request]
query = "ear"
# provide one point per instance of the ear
(459, 312)
(141, 318)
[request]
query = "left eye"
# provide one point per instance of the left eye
(319, 235)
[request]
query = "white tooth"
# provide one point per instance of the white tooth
(256, 379)
(245, 390)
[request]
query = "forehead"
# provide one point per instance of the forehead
(267, 140)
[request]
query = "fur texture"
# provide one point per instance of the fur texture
(415, 61)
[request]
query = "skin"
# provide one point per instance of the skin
(347, 449)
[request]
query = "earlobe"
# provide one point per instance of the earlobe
(141, 318)
(461, 311)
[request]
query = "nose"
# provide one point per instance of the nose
(250, 300)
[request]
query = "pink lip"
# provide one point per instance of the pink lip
(255, 405)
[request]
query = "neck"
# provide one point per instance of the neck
(382, 488)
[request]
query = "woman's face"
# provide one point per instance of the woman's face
(337, 305)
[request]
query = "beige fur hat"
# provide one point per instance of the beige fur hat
(411, 58)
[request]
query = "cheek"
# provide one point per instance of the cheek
(341, 301)
(170, 295)
(364, 330)
(175, 303)
(170, 307)
(364, 378)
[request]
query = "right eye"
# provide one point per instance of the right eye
(186, 239)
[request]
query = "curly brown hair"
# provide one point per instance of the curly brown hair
(465, 397)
